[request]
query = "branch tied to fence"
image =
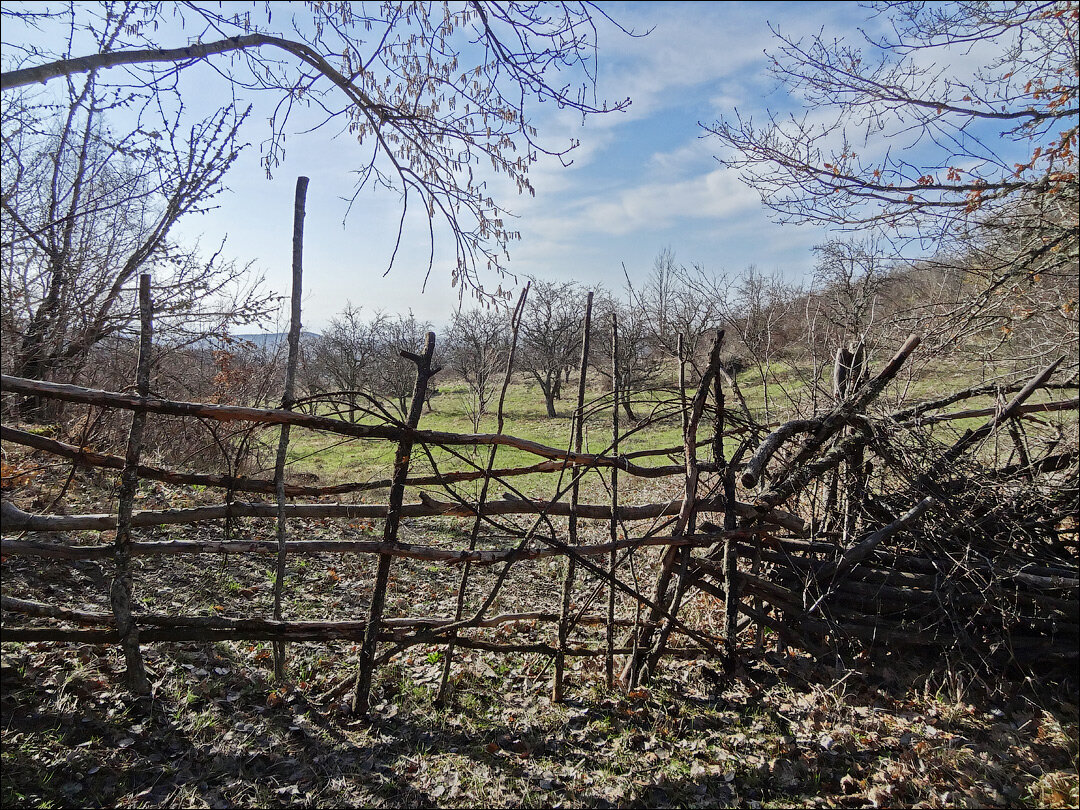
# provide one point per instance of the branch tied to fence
(878, 564)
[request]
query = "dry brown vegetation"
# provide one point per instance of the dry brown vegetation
(218, 731)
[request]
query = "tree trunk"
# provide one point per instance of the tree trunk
(549, 402)
(627, 406)
(550, 390)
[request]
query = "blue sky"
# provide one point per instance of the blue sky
(641, 181)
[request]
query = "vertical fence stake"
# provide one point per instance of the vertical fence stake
(500, 418)
(366, 665)
(571, 525)
(692, 418)
(643, 662)
(683, 412)
(287, 401)
(123, 584)
(613, 524)
(727, 471)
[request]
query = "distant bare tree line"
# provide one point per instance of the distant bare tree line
(784, 333)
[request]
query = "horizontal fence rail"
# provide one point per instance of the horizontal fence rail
(815, 553)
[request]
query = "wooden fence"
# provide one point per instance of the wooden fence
(873, 565)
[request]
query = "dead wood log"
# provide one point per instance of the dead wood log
(1054, 462)
(949, 457)
(970, 585)
(861, 550)
(27, 607)
(972, 413)
(613, 521)
(726, 467)
(797, 478)
(64, 551)
(787, 568)
(831, 423)
(1017, 648)
(755, 467)
(798, 472)
(788, 629)
(855, 622)
(1047, 576)
(913, 412)
(18, 520)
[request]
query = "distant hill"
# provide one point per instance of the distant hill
(270, 340)
(265, 341)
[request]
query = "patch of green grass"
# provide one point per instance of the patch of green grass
(788, 386)
(336, 460)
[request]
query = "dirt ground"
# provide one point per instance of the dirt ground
(218, 732)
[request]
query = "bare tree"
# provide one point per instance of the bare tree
(477, 345)
(393, 376)
(83, 213)
(551, 335)
(682, 301)
(850, 279)
(356, 365)
(763, 317)
(339, 364)
(641, 363)
(973, 168)
(432, 93)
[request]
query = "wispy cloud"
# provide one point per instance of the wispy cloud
(657, 205)
(640, 179)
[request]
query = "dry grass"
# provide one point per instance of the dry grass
(219, 732)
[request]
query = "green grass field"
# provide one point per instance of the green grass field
(334, 459)
(791, 392)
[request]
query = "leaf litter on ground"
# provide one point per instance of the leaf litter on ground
(218, 732)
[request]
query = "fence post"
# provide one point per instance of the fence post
(613, 524)
(366, 665)
(691, 420)
(288, 399)
(122, 584)
(643, 663)
(500, 417)
(571, 524)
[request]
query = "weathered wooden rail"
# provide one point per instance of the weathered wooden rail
(926, 554)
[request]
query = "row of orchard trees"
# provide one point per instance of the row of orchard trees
(781, 333)
(354, 364)
(858, 293)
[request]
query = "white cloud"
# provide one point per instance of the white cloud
(692, 155)
(689, 45)
(650, 206)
